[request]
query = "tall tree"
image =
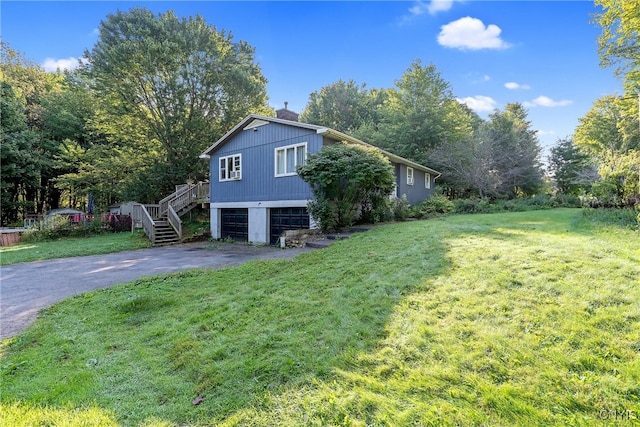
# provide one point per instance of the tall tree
(572, 169)
(420, 114)
(182, 81)
(31, 84)
(618, 43)
(20, 168)
(466, 165)
(344, 106)
(500, 160)
(515, 152)
(610, 135)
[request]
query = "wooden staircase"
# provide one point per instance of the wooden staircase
(164, 233)
(161, 222)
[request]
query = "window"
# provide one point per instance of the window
(231, 168)
(427, 180)
(287, 158)
(409, 175)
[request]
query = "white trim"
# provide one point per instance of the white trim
(410, 179)
(255, 124)
(261, 204)
(235, 173)
(295, 154)
(427, 180)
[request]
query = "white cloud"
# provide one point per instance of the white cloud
(545, 101)
(471, 33)
(479, 103)
(52, 65)
(432, 7)
(546, 132)
(514, 85)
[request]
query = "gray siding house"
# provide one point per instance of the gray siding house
(255, 191)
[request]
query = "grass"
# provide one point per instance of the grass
(516, 319)
(71, 247)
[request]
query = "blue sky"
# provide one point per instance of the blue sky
(540, 53)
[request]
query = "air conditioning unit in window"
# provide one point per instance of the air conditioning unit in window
(234, 175)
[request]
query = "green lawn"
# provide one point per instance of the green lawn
(71, 247)
(515, 319)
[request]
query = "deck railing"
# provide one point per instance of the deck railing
(175, 221)
(137, 214)
(184, 197)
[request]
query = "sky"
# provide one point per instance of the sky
(542, 54)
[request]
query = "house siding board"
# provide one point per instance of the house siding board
(258, 165)
(417, 192)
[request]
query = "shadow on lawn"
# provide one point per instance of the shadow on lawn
(230, 336)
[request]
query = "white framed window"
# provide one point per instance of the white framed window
(231, 167)
(409, 175)
(287, 158)
(427, 180)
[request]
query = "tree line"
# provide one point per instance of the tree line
(130, 122)
(155, 90)
(602, 158)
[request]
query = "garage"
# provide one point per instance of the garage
(234, 223)
(282, 219)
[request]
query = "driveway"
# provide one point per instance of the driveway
(27, 288)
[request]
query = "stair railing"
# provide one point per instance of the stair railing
(141, 214)
(175, 221)
(171, 205)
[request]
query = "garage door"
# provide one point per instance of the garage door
(287, 219)
(234, 223)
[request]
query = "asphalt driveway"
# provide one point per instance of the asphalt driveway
(27, 288)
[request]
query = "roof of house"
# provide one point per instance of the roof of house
(320, 130)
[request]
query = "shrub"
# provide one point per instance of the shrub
(540, 201)
(58, 226)
(435, 205)
(401, 208)
(629, 218)
(119, 223)
(472, 206)
(566, 201)
(348, 182)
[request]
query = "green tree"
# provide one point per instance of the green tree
(609, 134)
(344, 106)
(618, 43)
(515, 158)
(20, 168)
(347, 180)
(31, 84)
(607, 127)
(466, 165)
(571, 168)
(181, 81)
(420, 114)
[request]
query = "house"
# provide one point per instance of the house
(255, 192)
